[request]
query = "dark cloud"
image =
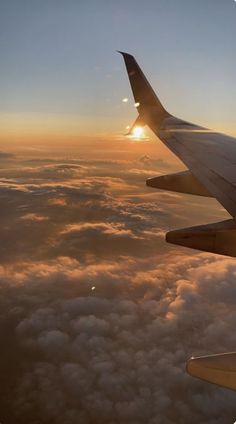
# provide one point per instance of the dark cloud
(98, 313)
(5, 156)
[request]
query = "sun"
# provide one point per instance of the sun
(137, 132)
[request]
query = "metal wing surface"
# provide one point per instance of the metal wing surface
(209, 156)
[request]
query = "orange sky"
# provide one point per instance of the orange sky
(53, 128)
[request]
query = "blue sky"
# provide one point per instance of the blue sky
(59, 60)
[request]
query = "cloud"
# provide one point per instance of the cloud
(118, 354)
(108, 239)
(5, 156)
(98, 313)
(33, 217)
(90, 202)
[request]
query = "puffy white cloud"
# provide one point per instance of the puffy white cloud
(119, 356)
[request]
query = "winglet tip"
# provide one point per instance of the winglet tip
(124, 54)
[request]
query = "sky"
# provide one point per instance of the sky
(61, 75)
(98, 314)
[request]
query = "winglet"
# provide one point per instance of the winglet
(144, 96)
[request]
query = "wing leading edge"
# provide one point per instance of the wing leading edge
(209, 156)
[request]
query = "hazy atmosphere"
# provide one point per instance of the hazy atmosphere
(98, 313)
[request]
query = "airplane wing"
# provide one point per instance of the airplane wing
(209, 156)
(211, 161)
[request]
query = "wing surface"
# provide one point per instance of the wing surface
(211, 161)
(210, 156)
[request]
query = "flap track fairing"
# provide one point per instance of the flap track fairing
(182, 182)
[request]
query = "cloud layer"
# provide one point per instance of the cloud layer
(98, 314)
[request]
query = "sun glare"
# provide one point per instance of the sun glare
(137, 132)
